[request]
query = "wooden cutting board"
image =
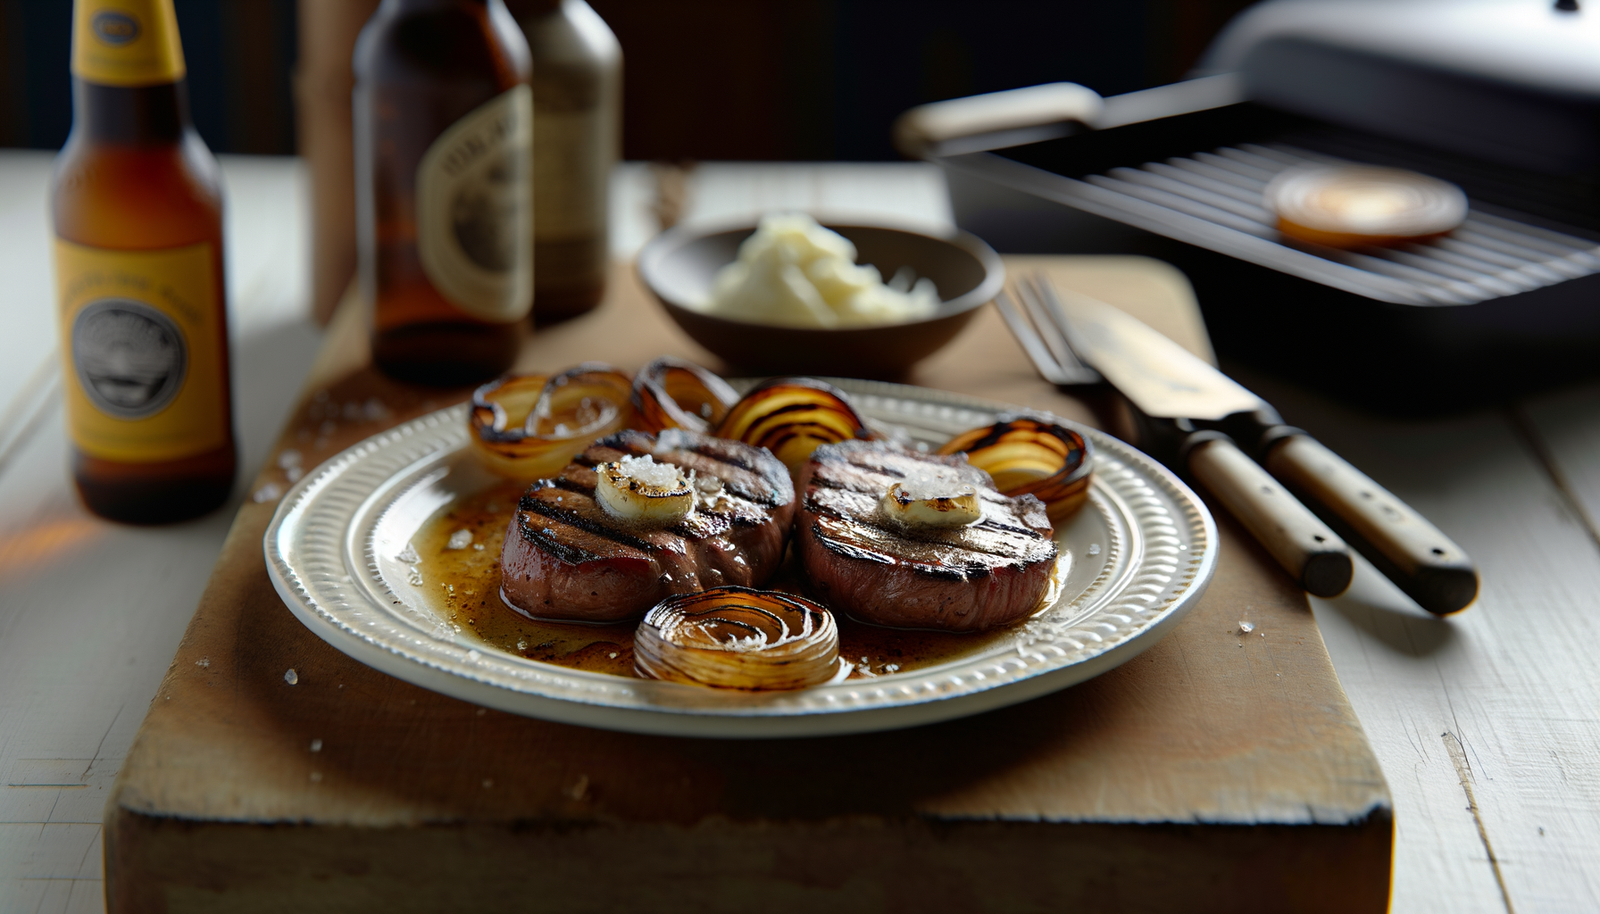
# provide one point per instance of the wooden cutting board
(1218, 771)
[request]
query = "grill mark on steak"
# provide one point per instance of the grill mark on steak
(967, 578)
(569, 558)
(764, 482)
(571, 516)
(992, 534)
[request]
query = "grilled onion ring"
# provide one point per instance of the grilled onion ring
(738, 638)
(791, 417)
(530, 426)
(674, 393)
(1032, 454)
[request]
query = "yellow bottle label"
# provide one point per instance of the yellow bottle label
(140, 336)
(126, 42)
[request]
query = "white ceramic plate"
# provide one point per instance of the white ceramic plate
(1142, 552)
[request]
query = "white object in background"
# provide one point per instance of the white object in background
(996, 119)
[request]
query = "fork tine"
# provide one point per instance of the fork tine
(1049, 332)
(1056, 316)
(1029, 338)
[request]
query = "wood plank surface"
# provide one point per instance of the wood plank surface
(1217, 771)
(91, 611)
(1496, 803)
(87, 626)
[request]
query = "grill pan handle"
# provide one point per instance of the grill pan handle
(995, 119)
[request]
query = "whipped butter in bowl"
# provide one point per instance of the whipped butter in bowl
(798, 296)
(795, 273)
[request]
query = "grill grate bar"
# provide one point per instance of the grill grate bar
(1245, 209)
(1244, 169)
(1238, 192)
(1487, 260)
(1432, 285)
(1423, 257)
(1219, 175)
(1491, 255)
(1182, 204)
(1570, 266)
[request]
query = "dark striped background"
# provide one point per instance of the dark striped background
(706, 79)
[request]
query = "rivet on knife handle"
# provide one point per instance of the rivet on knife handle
(1409, 550)
(1312, 553)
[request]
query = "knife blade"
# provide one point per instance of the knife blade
(1191, 413)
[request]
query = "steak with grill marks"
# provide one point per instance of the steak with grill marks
(566, 558)
(989, 573)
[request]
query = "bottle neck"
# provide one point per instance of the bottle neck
(126, 43)
(130, 115)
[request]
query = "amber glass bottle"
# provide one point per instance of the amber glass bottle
(577, 135)
(444, 208)
(137, 205)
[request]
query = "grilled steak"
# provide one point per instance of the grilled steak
(565, 557)
(969, 578)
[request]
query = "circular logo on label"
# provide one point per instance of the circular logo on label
(115, 28)
(483, 214)
(130, 357)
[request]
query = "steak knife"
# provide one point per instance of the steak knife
(1194, 418)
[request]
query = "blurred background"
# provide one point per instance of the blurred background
(817, 79)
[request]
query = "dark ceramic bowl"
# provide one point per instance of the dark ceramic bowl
(680, 264)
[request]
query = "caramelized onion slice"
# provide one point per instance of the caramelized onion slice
(1032, 454)
(674, 393)
(530, 426)
(791, 417)
(738, 638)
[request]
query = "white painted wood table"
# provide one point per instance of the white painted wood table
(1487, 724)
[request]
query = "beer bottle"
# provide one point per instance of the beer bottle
(577, 119)
(443, 133)
(137, 203)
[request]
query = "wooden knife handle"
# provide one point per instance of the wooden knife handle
(1412, 552)
(1306, 548)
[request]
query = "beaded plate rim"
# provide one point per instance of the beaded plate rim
(321, 555)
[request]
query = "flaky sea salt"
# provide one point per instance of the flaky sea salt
(1247, 627)
(646, 470)
(291, 677)
(936, 483)
(460, 539)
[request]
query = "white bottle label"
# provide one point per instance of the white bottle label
(571, 167)
(475, 212)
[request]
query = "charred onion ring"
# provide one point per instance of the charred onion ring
(1032, 455)
(738, 638)
(529, 427)
(674, 393)
(791, 417)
